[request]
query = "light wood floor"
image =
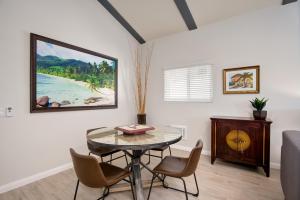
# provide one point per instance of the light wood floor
(219, 181)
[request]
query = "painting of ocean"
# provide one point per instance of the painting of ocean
(70, 77)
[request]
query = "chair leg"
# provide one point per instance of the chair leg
(163, 181)
(131, 186)
(197, 194)
(170, 151)
(105, 193)
(110, 159)
(154, 176)
(149, 157)
(76, 189)
(162, 155)
(126, 159)
(185, 191)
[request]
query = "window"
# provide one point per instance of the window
(192, 83)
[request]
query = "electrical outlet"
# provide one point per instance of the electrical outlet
(9, 111)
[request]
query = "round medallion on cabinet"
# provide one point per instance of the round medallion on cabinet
(238, 140)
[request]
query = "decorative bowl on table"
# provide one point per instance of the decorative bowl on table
(136, 129)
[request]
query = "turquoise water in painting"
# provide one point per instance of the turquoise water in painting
(61, 89)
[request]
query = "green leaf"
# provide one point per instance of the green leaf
(259, 104)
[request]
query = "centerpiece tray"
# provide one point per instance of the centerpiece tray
(135, 129)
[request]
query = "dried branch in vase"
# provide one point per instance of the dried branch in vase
(142, 60)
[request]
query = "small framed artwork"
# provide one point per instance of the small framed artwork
(65, 77)
(243, 80)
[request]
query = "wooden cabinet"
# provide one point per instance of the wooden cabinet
(241, 140)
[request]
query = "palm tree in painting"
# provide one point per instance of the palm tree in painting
(93, 84)
(105, 68)
(247, 79)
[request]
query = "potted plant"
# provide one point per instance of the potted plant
(259, 104)
(142, 58)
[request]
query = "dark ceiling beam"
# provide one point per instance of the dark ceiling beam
(121, 20)
(186, 14)
(284, 2)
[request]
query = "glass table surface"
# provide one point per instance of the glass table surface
(110, 137)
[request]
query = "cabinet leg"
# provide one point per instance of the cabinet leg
(212, 160)
(267, 170)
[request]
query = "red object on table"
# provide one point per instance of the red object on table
(134, 129)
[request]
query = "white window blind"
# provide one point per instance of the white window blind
(188, 84)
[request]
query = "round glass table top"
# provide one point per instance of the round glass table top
(112, 138)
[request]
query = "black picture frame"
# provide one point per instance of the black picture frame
(48, 107)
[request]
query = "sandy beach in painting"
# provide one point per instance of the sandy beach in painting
(70, 92)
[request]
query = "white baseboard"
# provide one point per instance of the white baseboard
(33, 178)
(273, 165)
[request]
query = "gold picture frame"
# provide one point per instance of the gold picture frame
(242, 80)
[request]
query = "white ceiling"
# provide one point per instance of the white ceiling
(157, 18)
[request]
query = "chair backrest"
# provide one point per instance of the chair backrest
(97, 150)
(193, 159)
(88, 170)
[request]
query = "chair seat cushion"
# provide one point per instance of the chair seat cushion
(171, 166)
(113, 173)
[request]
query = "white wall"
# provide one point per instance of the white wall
(298, 8)
(269, 38)
(33, 143)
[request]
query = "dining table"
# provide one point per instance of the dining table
(135, 146)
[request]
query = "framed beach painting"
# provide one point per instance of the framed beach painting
(243, 80)
(65, 77)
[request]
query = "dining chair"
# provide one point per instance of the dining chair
(98, 175)
(161, 150)
(104, 152)
(178, 167)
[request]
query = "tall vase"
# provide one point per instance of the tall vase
(141, 118)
